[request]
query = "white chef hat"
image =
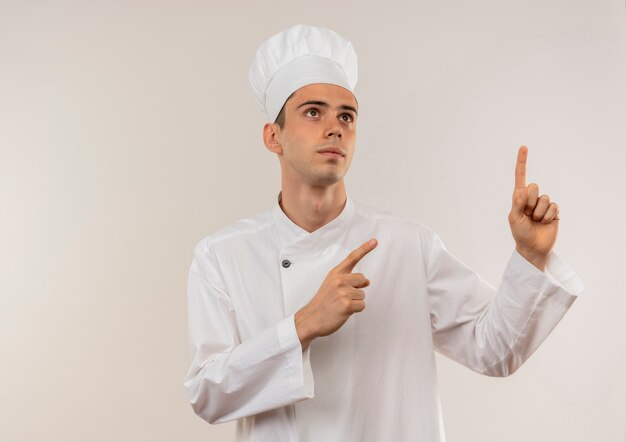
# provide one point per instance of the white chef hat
(296, 57)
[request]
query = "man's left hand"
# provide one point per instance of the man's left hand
(534, 219)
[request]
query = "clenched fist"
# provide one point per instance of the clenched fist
(338, 297)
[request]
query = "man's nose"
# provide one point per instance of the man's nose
(334, 131)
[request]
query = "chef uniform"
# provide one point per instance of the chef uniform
(374, 379)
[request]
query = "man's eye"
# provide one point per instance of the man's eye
(348, 119)
(312, 110)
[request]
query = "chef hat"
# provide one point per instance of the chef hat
(296, 57)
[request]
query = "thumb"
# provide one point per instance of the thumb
(520, 198)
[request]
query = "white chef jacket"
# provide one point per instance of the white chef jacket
(374, 379)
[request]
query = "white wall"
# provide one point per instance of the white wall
(128, 132)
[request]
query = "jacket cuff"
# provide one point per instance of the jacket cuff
(300, 372)
(556, 273)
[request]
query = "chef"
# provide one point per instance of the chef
(317, 320)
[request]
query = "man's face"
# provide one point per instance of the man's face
(317, 117)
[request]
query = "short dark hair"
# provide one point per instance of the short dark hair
(280, 119)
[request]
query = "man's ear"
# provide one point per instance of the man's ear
(271, 138)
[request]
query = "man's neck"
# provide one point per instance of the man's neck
(313, 207)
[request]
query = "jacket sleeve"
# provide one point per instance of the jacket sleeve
(229, 379)
(493, 331)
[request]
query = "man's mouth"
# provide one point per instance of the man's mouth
(333, 151)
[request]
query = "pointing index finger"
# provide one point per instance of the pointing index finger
(520, 168)
(355, 256)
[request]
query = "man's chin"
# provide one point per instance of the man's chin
(327, 180)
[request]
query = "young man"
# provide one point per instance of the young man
(272, 299)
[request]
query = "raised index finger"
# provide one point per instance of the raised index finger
(355, 256)
(520, 167)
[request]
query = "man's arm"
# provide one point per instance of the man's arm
(229, 379)
(493, 331)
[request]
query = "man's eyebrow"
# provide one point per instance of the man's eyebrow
(324, 104)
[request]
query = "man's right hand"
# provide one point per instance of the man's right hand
(339, 296)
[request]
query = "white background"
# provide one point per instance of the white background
(128, 132)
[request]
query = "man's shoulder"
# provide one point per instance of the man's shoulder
(243, 228)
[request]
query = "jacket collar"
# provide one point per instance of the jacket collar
(290, 233)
